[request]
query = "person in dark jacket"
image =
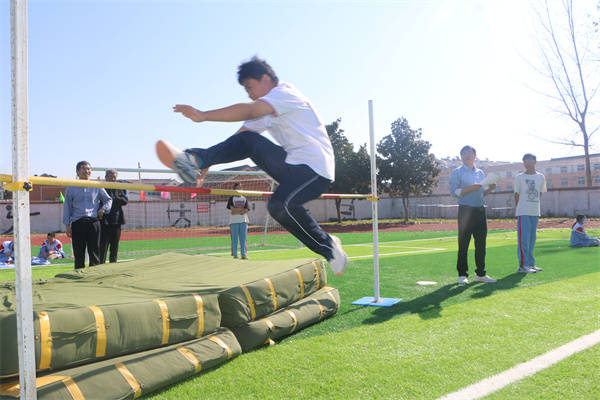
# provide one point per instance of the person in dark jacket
(111, 223)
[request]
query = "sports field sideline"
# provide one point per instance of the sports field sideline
(439, 339)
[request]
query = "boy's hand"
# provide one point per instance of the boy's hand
(190, 112)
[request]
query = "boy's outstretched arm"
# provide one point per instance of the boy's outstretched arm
(233, 113)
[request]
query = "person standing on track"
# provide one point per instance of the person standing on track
(529, 186)
(238, 222)
(465, 185)
(82, 214)
(303, 164)
(110, 227)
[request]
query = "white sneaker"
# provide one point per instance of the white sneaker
(462, 280)
(485, 279)
(526, 270)
(536, 269)
(185, 166)
(340, 259)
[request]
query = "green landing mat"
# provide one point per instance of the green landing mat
(106, 311)
(289, 320)
(131, 376)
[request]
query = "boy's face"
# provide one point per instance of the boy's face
(258, 88)
(529, 163)
(85, 171)
(50, 239)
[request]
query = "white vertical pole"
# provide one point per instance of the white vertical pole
(374, 205)
(20, 166)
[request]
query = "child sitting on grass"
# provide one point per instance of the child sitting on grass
(578, 236)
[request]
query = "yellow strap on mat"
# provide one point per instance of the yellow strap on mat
(191, 358)
(293, 319)
(321, 309)
(45, 341)
(329, 289)
(13, 389)
(73, 389)
(200, 307)
(222, 344)
(250, 302)
(301, 282)
(100, 331)
(135, 386)
(268, 322)
(273, 294)
(318, 275)
(164, 314)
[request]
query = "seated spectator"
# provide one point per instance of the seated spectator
(51, 248)
(578, 236)
(7, 250)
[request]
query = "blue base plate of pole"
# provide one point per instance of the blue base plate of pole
(382, 302)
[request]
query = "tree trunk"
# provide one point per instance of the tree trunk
(405, 204)
(338, 204)
(586, 149)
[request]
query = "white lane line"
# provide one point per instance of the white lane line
(518, 372)
(397, 253)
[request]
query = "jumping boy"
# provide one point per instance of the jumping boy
(303, 164)
(529, 186)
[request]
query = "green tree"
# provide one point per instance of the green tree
(352, 169)
(405, 165)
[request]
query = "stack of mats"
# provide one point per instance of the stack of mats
(111, 331)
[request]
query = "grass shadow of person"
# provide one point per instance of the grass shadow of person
(430, 305)
(427, 306)
(506, 283)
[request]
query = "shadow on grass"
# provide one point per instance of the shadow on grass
(430, 305)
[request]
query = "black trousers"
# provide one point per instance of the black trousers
(471, 222)
(85, 232)
(110, 235)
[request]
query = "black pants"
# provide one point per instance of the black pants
(471, 221)
(85, 232)
(110, 235)
(298, 184)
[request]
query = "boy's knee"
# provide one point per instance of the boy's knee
(276, 208)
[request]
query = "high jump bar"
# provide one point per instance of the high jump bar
(40, 180)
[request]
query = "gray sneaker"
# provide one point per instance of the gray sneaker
(536, 269)
(185, 166)
(340, 259)
(526, 270)
(485, 279)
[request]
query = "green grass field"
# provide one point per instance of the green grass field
(439, 339)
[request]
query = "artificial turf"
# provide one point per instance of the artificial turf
(439, 339)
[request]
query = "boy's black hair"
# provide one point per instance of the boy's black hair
(529, 155)
(80, 163)
(579, 218)
(51, 234)
(467, 147)
(236, 185)
(255, 69)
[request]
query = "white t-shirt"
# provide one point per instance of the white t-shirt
(297, 127)
(529, 188)
(237, 202)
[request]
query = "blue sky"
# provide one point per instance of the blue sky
(104, 75)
